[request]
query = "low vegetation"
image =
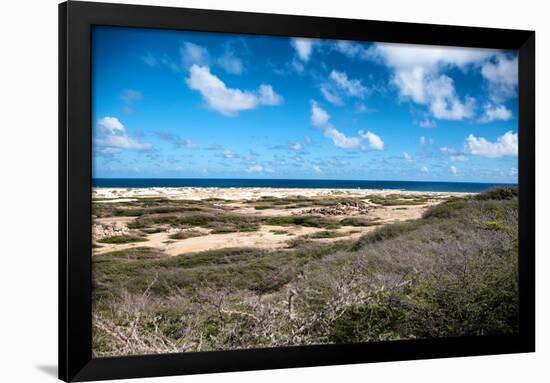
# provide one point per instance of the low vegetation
(118, 239)
(451, 273)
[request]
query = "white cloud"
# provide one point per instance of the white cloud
(111, 126)
(374, 141)
(229, 154)
(502, 75)
(427, 123)
(352, 87)
(113, 138)
(458, 158)
(319, 116)
(365, 140)
(494, 113)
(255, 169)
(303, 47)
(295, 65)
(453, 169)
(230, 63)
(513, 172)
(193, 54)
(354, 50)
(267, 95)
(407, 157)
(505, 145)
(228, 101)
(341, 140)
(330, 96)
(296, 146)
(424, 169)
(417, 75)
(430, 56)
(447, 150)
(425, 141)
(317, 169)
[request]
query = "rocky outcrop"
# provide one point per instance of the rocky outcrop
(342, 208)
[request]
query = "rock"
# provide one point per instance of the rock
(342, 208)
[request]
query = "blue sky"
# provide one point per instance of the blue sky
(173, 104)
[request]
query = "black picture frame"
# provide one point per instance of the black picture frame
(75, 158)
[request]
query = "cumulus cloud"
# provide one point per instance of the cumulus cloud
(331, 96)
(193, 54)
(501, 73)
(267, 95)
(364, 140)
(354, 50)
(230, 63)
(505, 145)
(352, 87)
(341, 140)
(112, 137)
(453, 169)
(407, 157)
(374, 141)
(424, 169)
(225, 100)
(495, 112)
(422, 140)
(111, 126)
(303, 47)
(417, 74)
(319, 116)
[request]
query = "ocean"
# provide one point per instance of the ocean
(470, 187)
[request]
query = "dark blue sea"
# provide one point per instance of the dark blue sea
(471, 187)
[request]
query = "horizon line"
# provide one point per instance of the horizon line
(295, 179)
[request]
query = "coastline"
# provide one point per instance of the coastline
(236, 193)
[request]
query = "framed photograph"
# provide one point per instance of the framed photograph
(245, 191)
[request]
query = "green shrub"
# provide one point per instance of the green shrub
(499, 193)
(386, 233)
(356, 221)
(306, 221)
(445, 209)
(185, 234)
(326, 234)
(118, 239)
(495, 225)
